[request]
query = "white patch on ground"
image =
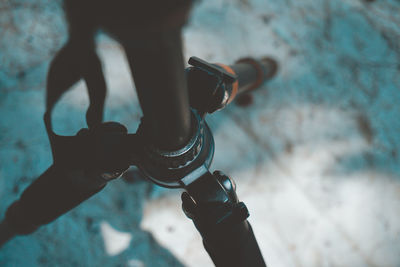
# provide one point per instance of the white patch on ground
(115, 241)
(135, 263)
(315, 157)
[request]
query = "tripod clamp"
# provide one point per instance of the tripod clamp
(174, 169)
(211, 86)
(211, 202)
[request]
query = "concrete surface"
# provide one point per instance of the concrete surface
(315, 157)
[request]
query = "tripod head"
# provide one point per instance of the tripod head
(211, 87)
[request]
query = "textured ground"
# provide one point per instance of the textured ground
(315, 157)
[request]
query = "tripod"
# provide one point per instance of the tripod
(175, 104)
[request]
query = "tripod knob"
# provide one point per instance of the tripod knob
(228, 183)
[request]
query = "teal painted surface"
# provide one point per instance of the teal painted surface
(316, 157)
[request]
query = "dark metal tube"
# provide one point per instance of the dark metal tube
(157, 66)
(246, 74)
(6, 232)
(252, 73)
(234, 246)
(54, 193)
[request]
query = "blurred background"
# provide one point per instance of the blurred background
(314, 152)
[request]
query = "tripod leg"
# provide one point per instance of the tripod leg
(54, 193)
(88, 162)
(234, 246)
(6, 232)
(212, 204)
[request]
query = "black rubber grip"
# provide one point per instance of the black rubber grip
(51, 195)
(234, 246)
